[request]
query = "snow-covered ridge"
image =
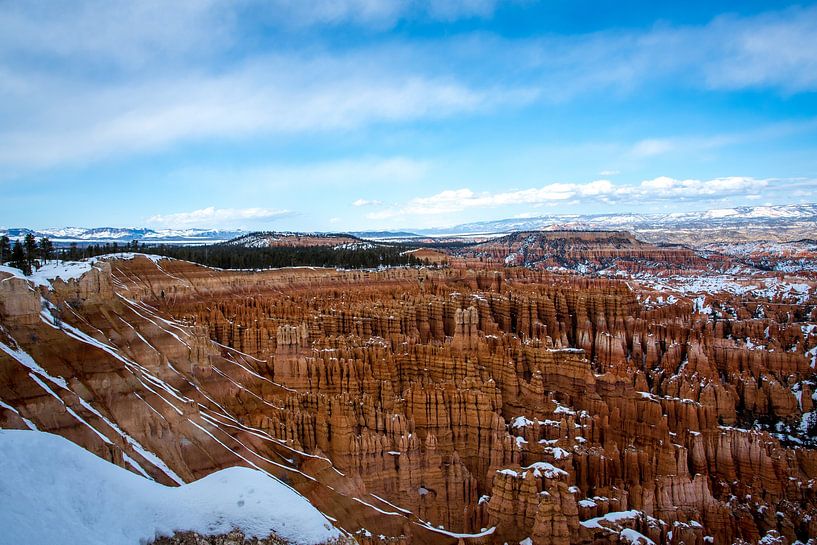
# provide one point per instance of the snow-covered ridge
(58, 493)
(69, 270)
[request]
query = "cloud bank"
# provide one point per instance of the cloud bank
(659, 189)
(212, 217)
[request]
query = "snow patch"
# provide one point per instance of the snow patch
(612, 518)
(633, 537)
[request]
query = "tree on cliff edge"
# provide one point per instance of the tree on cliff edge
(18, 258)
(30, 247)
(5, 249)
(46, 249)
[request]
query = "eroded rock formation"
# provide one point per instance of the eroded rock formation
(430, 406)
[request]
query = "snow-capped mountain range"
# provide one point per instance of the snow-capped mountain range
(744, 216)
(83, 235)
(779, 223)
(742, 224)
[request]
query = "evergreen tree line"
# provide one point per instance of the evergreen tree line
(75, 252)
(29, 254)
(226, 256)
(26, 255)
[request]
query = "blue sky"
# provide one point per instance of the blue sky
(375, 114)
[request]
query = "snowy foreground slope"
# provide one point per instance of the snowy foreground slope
(53, 491)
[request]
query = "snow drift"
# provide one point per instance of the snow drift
(55, 492)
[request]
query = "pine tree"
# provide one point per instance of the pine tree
(18, 258)
(30, 248)
(5, 249)
(46, 249)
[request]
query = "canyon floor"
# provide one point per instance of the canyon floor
(539, 388)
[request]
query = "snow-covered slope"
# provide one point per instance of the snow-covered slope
(53, 491)
(70, 270)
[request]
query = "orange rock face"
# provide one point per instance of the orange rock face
(433, 406)
(545, 249)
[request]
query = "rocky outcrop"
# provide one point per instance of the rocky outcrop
(587, 249)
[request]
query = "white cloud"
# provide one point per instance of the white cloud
(294, 178)
(609, 172)
(55, 121)
(380, 14)
(457, 200)
(777, 49)
(662, 188)
(99, 78)
(103, 78)
(112, 33)
(450, 10)
(651, 147)
(211, 217)
(367, 202)
(128, 33)
(689, 144)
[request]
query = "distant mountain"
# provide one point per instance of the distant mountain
(270, 239)
(746, 223)
(384, 235)
(96, 235)
(577, 250)
(782, 223)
